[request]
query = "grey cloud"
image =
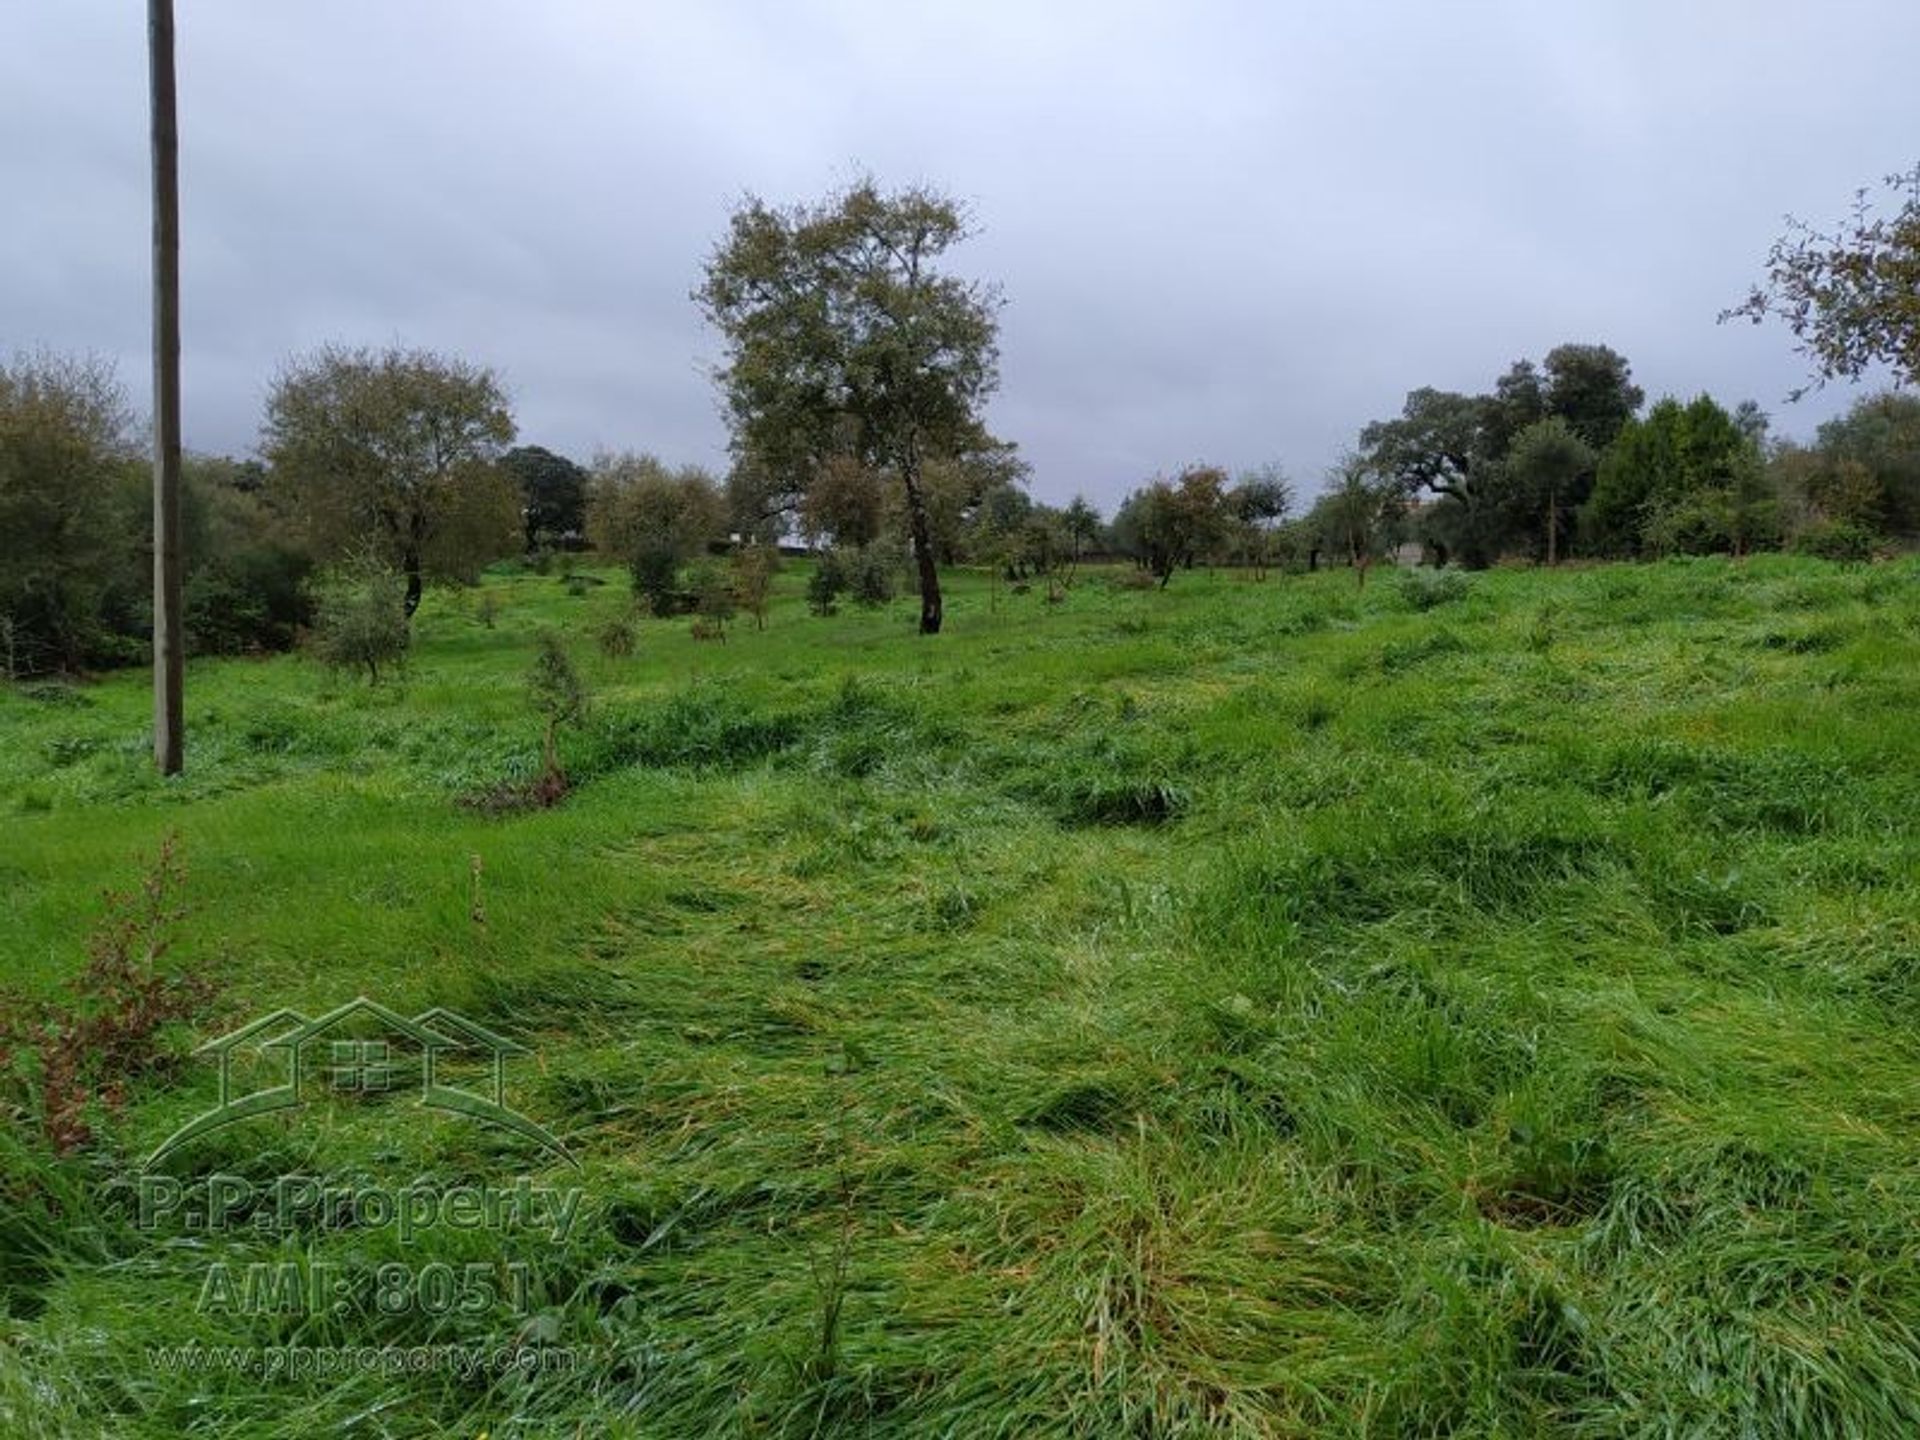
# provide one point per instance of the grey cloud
(1232, 231)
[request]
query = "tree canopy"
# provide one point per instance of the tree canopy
(396, 449)
(553, 495)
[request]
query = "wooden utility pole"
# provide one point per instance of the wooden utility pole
(168, 671)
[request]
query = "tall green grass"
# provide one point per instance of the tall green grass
(1249, 1008)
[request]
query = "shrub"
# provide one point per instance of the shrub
(1428, 589)
(360, 617)
(871, 577)
(616, 638)
(1835, 540)
(827, 583)
(82, 1053)
(1699, 523)
(249, 600)
(713, 603)
(753, 570)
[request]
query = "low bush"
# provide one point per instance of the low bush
(1428, 589)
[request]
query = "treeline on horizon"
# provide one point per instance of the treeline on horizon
(406, 460)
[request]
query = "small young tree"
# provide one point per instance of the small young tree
(1544, 464)
(360, 616)
(1361, 506)
(827, 583)
(713, 602)
(560, 697)
(1257, 505)
(753, 570)
(1083, 528)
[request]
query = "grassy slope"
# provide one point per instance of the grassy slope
(1258, 1008)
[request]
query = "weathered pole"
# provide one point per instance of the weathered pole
(168, 670)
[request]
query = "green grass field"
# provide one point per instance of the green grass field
(1251, 1009)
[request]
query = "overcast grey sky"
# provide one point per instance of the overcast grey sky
(1225, 231)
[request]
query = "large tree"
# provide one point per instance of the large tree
(1456, 447)
(1881, 435)
(1851, 293)
(1439, 443)
(844, 338)
(397, 449)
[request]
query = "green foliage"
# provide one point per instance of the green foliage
(557, 693)
(1168, 524)
(1461, 450)
(246, 570)
(1850, 294)
(553, 497)
(1358, 516)
(1545, 467)
(71, 573)
(870, 576)
(616, 638)
(1425, 589)
(713, 597)
(1880, 435)
(394, 452)
(754, 567)
(360, 619)
(655, 520)
(1591, 388)
(846, 341)
(1679, 461)
(554, 687)
(1836, 540)
(828, 582)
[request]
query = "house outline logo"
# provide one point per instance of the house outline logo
(306, 1054)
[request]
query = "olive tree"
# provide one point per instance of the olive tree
(845, 338)
(395, 450)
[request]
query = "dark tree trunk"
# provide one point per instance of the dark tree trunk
(410, 559)
(169, 741)
(923, 557)
(410, 564)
